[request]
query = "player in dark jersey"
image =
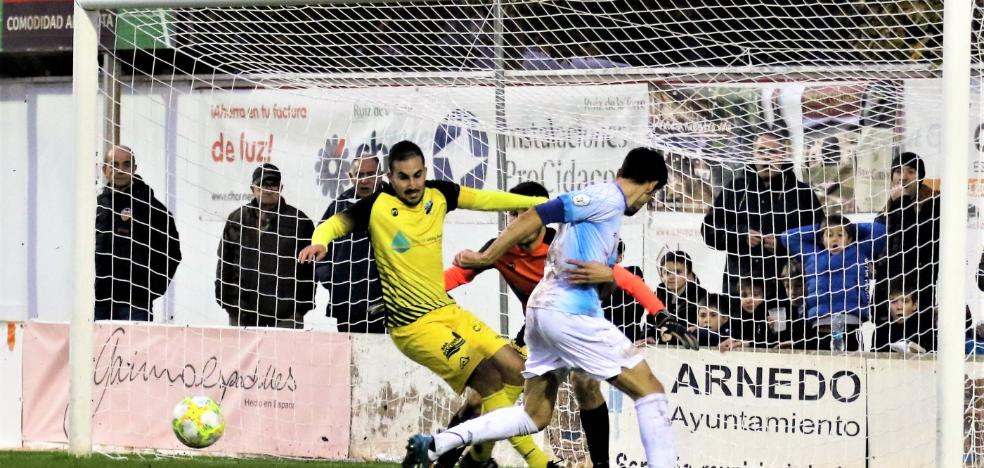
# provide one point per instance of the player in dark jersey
(522, 269)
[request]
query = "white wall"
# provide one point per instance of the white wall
(14, 243)
(38, 165)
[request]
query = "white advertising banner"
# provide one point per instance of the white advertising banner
(575, 136)
(312, 135)
(789, 410)
(761, 409)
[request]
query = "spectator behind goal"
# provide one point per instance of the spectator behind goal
(835, 256)
(912, 221)
(749, 213)
(351, 276)
(713, 325)
(137, 246)
(258, 279)
(680, 290)
(905, 325)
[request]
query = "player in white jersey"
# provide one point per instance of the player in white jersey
(565, 325)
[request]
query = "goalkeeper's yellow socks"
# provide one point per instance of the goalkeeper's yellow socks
(513, 392)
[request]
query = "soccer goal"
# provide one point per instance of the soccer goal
(823, 205)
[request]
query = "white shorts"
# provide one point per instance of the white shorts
(558, 340)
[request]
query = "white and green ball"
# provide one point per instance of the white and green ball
(198, 421)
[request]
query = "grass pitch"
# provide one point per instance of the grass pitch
(61, 459)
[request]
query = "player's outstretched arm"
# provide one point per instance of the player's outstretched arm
(334, 227)
(456, 276)
(525, 225)
(637, 288)
(494, 200)
(596, 272)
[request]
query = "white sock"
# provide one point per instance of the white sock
(654, 427)
(497, 425)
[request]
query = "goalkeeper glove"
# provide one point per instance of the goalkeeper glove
(666, 326)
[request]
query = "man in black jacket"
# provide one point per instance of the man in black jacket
(748, 214)
(912, 223)
(351, 276)
(137, 246)
(258, 279)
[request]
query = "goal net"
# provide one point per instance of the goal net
(799, 229)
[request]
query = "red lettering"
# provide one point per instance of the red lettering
(222, 149)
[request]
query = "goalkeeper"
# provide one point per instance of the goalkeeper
(522, 269)
(405, 221)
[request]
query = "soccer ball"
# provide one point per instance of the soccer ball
(198, 421)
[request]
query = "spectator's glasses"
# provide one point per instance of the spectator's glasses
(270, 187)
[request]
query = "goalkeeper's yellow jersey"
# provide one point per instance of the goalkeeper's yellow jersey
(407, 241)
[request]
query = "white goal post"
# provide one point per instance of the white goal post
(953, 267)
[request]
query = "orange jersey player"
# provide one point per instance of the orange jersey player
(522, 268)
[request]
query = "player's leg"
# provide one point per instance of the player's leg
(487, 383)
(639, 383)
(594, 417)
(539, 397)
(503, 371)
(597, 347)
(472, 407)
(457, 346)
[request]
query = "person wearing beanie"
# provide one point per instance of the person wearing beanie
(912, 220)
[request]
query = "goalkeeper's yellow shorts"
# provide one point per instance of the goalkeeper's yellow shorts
(449, 341)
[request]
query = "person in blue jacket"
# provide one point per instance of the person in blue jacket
(835, 256)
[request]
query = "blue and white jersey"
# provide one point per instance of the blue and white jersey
(591, 219)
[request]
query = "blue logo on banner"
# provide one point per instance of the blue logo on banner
(459, 139)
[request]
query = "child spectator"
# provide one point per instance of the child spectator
(680, 290)
(748, 324)
(835, 258)
(788, 318)
(713, 321)
(906, 327)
